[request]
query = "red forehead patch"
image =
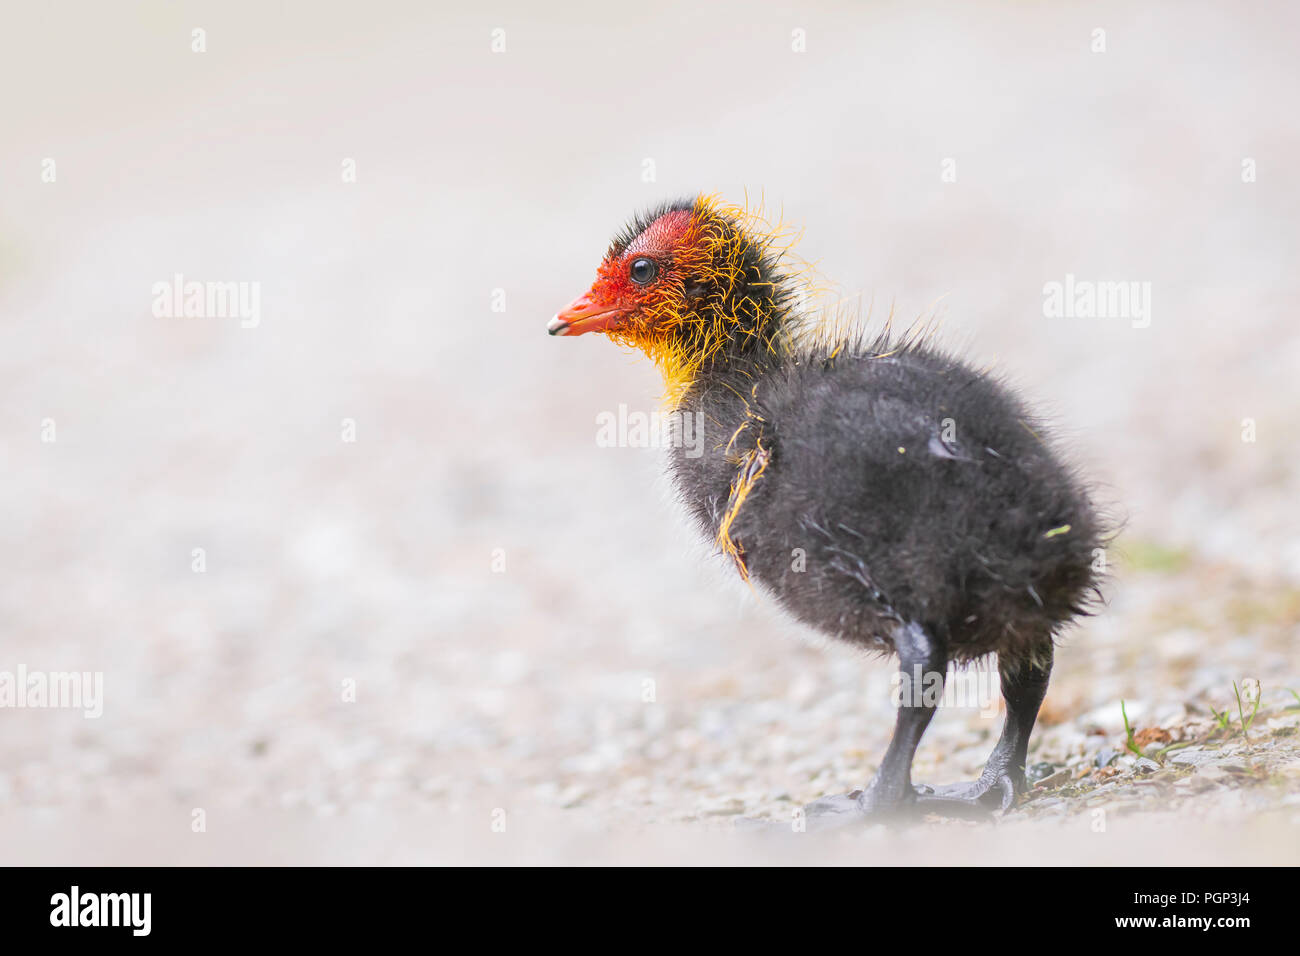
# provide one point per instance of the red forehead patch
(662, 234)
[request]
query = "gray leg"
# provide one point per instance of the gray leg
(1023, 688)
(922, 665)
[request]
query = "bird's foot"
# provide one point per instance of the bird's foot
(844, 809)
(870, 805)
(983, 796)
(962, 801)
(833, 813)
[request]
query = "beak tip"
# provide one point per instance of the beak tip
(557, 326)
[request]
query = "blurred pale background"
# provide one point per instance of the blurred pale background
(478, 171)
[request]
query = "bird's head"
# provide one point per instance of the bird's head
(688, 283)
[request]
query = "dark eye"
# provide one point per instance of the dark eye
(643, 271)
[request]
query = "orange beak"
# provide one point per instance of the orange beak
(583, 315)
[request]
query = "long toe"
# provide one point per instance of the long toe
(872, 805)
(833, 813)
(828, 813)
(979, 797)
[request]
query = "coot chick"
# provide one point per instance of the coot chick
(884, 492)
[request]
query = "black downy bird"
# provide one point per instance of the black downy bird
(932, 517)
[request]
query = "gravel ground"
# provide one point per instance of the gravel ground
(473, 616)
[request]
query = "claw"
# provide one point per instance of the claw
(959, 801)
(998, 794)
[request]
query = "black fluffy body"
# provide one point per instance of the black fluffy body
(898, 486)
